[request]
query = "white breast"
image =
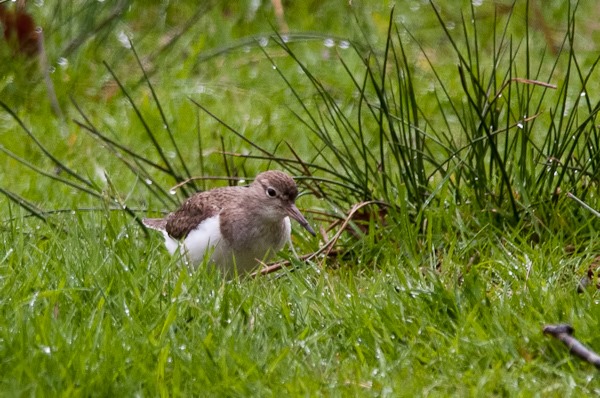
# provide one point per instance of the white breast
(205, 236)
(287, 233)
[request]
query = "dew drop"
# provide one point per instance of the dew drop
(263, 41)
(329, 42)
(123, 39)
(33, 299)
(344, 44)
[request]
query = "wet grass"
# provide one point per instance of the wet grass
(462, 128)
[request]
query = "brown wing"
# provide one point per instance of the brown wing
(198, 208)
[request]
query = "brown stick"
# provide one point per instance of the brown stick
(564, 333)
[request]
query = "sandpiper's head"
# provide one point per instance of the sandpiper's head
(280, 193)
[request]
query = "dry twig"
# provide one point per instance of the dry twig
(564, 333)
(583, 204)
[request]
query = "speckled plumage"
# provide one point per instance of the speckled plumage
(243, 224)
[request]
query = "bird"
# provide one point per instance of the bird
(242, 225)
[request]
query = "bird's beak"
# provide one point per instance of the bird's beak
(294, 213)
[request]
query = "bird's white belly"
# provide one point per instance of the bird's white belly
(204, 237)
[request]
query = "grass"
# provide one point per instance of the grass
(466, 136)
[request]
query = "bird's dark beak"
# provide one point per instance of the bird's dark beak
(294, 213)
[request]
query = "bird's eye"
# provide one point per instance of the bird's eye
(271, 192)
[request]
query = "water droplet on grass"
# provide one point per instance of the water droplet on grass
(33, 299)
(263, 41)
(344, 44)
(123, 39)
(329, 42)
